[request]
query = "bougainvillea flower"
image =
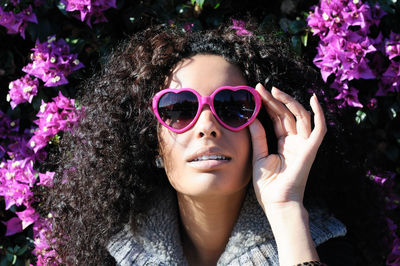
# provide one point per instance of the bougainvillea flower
(16, 23)
(19, 150)
(46, 179)
(45, 254)
(392, 45)
(390, 81)
(343, 27)
(90, 9)
(16, 179)
(239, 26)
(372, 104)
(52, 62)
(22, 90)
(14, 226)
(188, 27)
(28, 216)
(348, 96)
(59, 115)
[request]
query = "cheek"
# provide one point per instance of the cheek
(171, 152)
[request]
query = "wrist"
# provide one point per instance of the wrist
(284, 209)
(290, 227)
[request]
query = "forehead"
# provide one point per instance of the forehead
(205, 73)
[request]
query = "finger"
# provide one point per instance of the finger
(303, 122)
(283, 120)
(259, 140)
(320, 128)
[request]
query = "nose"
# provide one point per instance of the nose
(207, 125)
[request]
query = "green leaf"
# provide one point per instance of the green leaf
(217, 5)
(10, 256)
(360, 116)
(304, 39)
(296, 26)
(22, 250)
(394, 110)
(200, 3)
(393, 113)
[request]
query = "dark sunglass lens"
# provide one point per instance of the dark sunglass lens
(177, 110)
(234, 108)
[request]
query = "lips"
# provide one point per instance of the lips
(211, 157)
(207, 154)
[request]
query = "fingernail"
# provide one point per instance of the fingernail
(315, 97)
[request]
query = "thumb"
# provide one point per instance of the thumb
(259, 140)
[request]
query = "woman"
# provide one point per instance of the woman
(132, 189)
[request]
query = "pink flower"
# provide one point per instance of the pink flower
(390, 81)
(46, 179)
(90, 9)
(239, 26)
(188, 27)
(13, 226)
(348, 96)
(45, 254)
(343, 27)
(22, 90)
(28, 216)
(52, 62)
(392, 45)
(16, 23)
(16, 179)
(59, 115)
(372, 104)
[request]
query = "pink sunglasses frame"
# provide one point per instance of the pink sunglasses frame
(209, 101)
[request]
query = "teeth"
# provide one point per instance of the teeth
(210, 157)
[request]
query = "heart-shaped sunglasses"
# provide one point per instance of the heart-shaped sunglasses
(233, 107)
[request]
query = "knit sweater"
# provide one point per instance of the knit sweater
(157, 241)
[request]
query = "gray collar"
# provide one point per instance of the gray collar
(157, 241)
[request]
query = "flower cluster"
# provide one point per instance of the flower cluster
(59, 115)
(22, 90)
(45, 254)
(90, 9)
(16, 23)
(390, 81)
(52, 62)
(343, 27)
(18, 176)
(239, 26)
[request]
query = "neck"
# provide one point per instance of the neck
(207, 223)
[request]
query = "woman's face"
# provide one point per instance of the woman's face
(188, 165)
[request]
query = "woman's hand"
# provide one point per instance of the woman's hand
(280, 179)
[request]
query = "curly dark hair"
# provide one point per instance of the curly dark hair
(105, 171)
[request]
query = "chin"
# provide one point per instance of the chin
(209, 184)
